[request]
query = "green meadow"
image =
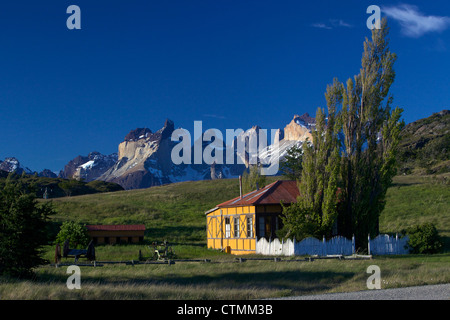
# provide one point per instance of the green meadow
(175, 213)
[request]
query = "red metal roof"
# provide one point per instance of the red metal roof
(281, 190)
(118, 227)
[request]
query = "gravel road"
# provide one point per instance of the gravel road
(429, 292)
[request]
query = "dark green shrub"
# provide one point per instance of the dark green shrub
(23, 231)
(76, 233)
(424, 239)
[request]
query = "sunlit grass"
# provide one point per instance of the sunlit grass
(176, 213)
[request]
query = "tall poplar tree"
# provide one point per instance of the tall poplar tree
(252, 178)
(370, 130)
(351, 162)
(315, 212)
(291, 164)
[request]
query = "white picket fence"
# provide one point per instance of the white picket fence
(309, 246)
(381, 245)
(385, 244)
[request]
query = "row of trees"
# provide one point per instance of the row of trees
(347, 167)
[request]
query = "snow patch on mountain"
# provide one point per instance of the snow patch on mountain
(12, 164)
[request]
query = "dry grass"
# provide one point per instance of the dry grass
(178, 211)
(226, 279)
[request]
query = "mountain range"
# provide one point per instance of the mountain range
(143, 158)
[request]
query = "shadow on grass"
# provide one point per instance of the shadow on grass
(294, 282)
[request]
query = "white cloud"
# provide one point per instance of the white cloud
(414, 23)
(321, 26)
(332, 23)
(340, 23)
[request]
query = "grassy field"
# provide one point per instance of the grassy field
(176, 213)
(418, 199)
(224, 278)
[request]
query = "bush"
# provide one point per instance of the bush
(76, 233)
(424, 239)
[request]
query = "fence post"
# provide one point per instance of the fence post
(353, 244)
(396, 244)
(368, 243)
(294, 245)
(324, 246)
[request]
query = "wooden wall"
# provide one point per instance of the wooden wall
(222, 233)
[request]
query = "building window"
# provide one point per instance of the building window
(261, 227)
(236, 227)
(227, 228)
(249, 227)
(265, 227)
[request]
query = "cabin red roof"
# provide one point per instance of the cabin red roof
(281, 190)
(118, 227)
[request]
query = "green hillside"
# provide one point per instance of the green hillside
(418, 199)
(175, 212)
(425, 145)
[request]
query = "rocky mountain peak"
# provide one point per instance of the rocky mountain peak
(47, 173)
(137, 134)
(299, 128)
(305, 120)
(167, 130)
(147, 135)
(88, 167)
(12, 164)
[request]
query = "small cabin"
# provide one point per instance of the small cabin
(235, 225)
(111, 234)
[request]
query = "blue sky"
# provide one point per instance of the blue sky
(229, 63)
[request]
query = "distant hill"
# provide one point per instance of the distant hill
(56, 187)
(425, 145)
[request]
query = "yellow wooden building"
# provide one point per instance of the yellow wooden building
(235, 225)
